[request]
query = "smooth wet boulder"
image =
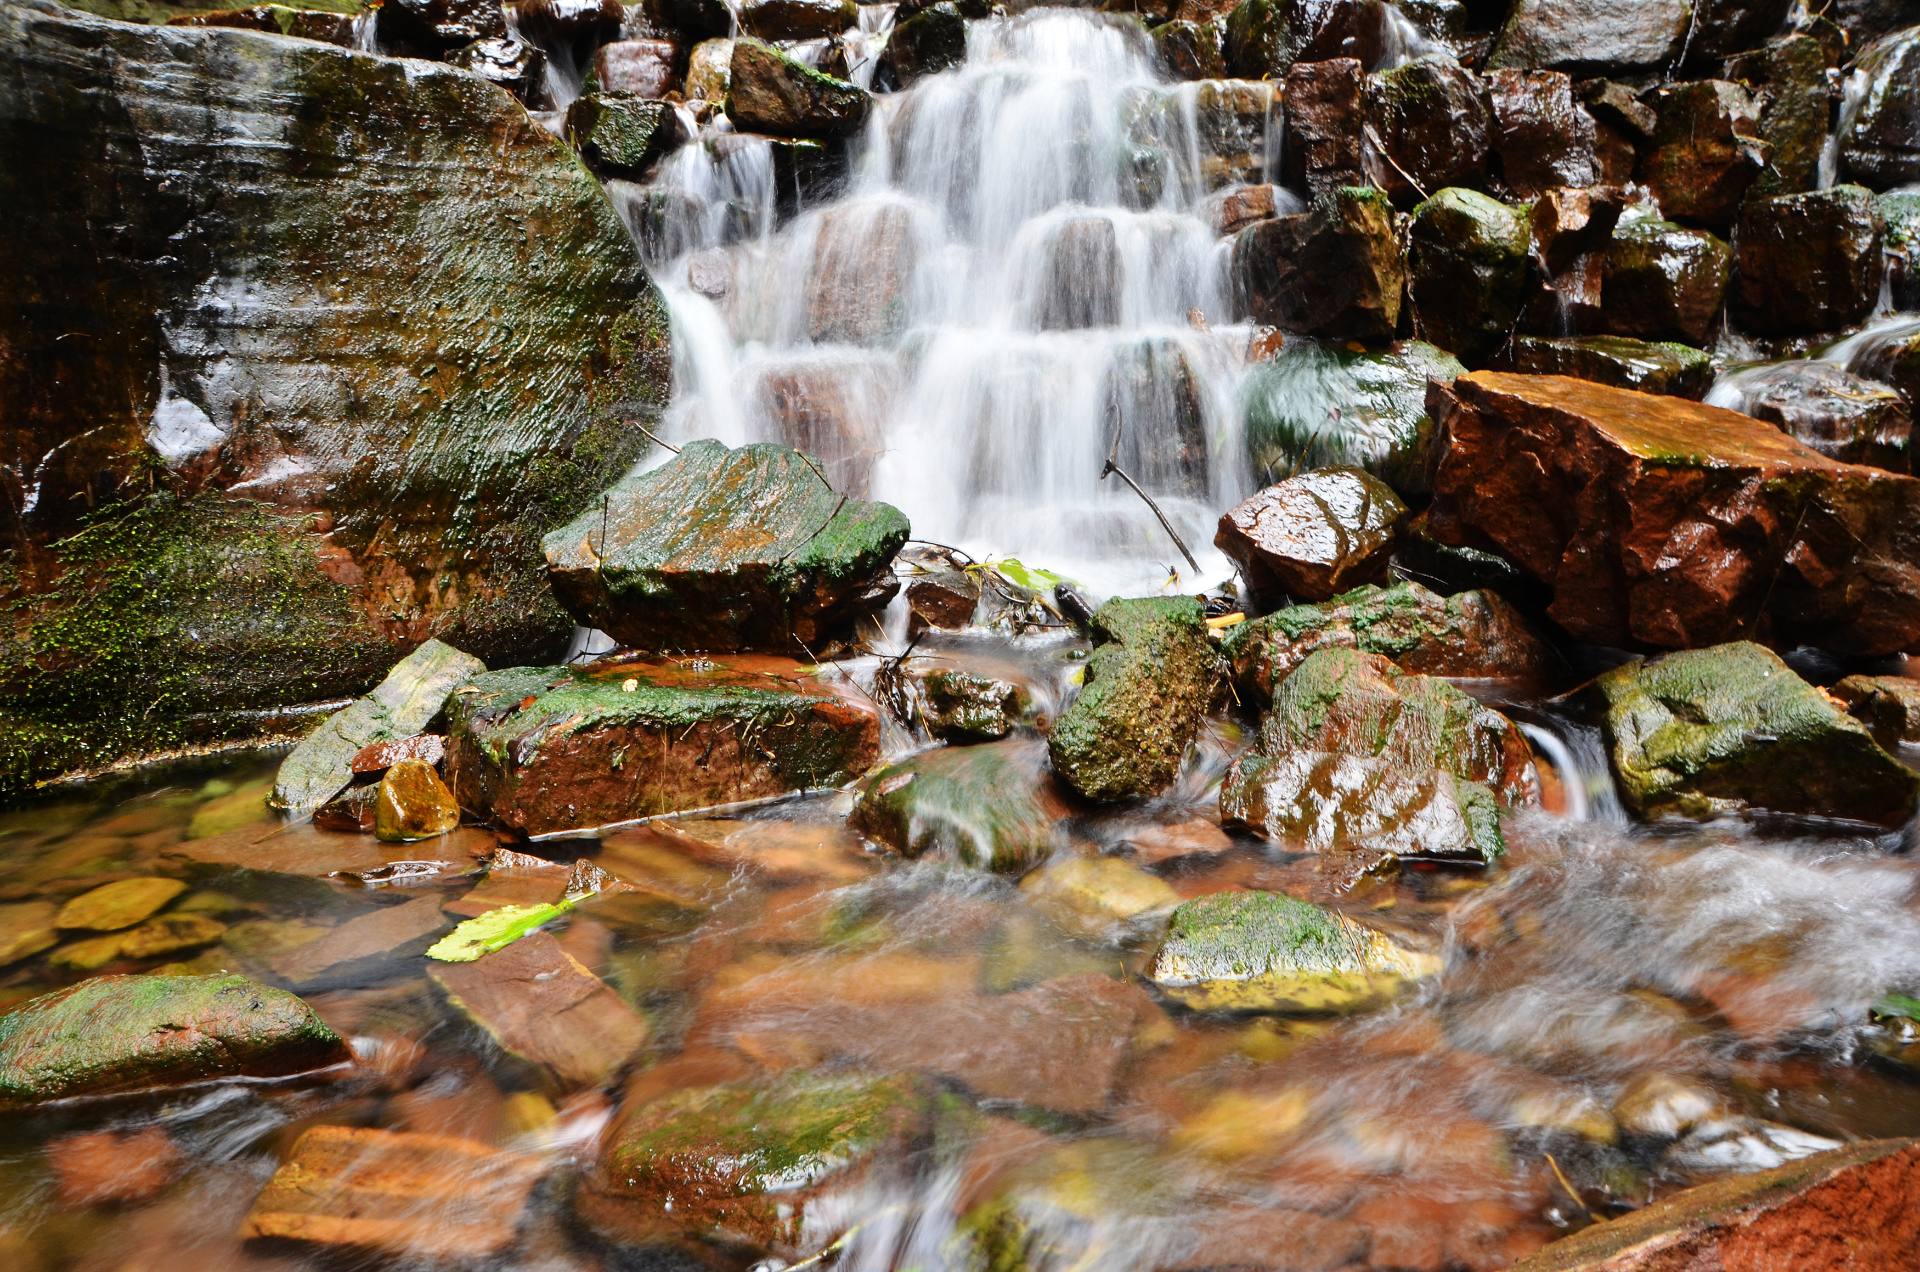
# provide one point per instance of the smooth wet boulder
(1665, 523)
(558, 748)
(1842, 415)
(117, 905)
(1467, 262)
(985, 806)
(1469, 635)
(423, 28)
(511, 63)
(575, 24)
(130, 1033)
(746, 1161)
(620, 135)
(641, 68)
(1705, 153)
(1648, 366)
(797, 19)
(1147, 687)
(1432, 123)
(1542, 137)
(1592, 35)
(1806, 262)
(1326, 113)
(413, 803)
(1266, 37)
(1312, 536)
(927, 43)
(1664, 282)
(724, 550)
(710, 68)
(1316, 405)
(1334, 270)
(1709, 731)
(1888, 705)
(362, 328)
(770, 92)
(1267, 952)
(1880, 143)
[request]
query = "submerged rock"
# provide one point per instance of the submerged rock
(767, 91)
(1710, 731)
(984, 806)
(413, 803)
(1147, 686)
(560, 748)
(1806, 262)
(1314, 535)
(1664, 282)
(1092, 896)
(118, 905)
(1842, 415)
(725, 550)
(1467, 261)
(128, 1033)
(1880, 145)
(1266, 952)
(1334, 270)
(1647, 366)
(1670, 524)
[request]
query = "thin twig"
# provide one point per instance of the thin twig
(1166, 525)
(651, 437)
(1380, 148)
(1572, 1192)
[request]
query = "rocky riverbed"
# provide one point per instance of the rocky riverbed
(794, 634)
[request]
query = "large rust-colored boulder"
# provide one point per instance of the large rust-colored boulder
(1854, 1209)
(1664, 523)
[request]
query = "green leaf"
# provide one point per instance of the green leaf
(1897, 1006)
(1022, 575)
(496, 929)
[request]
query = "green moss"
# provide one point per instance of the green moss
(978, 805)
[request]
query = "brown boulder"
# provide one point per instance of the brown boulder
(1807, 262)
(1706, 151)
(643, 68)
(1326, 118)
(1842, 415)
(1429, 120)
(1888, 705)
(1665, 523)
(1314, 535)
(1334, 270)
(413, 803)
(1542, 136)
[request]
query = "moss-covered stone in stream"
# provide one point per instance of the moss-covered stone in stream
(1264, 951)
(1718, 730)
(983, 806)
(125, 1033)
(1467, 259)
(1147, 687)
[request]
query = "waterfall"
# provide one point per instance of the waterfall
(1016, 279)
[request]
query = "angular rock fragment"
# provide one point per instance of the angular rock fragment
(378, 757)
(128, 1033)
(1191, 50)
(1788, 77)
(767, 91)
(560, 748)
(1314, 535)
(511, 63)
(619, 135)
(426, 27)
(1607, 36)
(1709, 731)
(1542, 136)
(1705, 152)
(1432, 125)
(1664, 282)
(1880, 143)
(413, 803)
(957, 705)
(1844, 416)
(927, 43)
(984, 806)
(1467, 262)
(1648, 366)
(1888, 705)
(1806, 262)
(1334, 270)
(723, 550)
(1326, 145)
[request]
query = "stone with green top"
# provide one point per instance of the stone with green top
(1705, 732)
(620, 135)
(129, 1033)
(986, 806)
(1467, 260)
(543, 749)
(1147, 686)
(770, 92)
(726, 550)
(1268, 952)
(1650, 366)
(1664, 282)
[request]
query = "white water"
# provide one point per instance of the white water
(995, 297)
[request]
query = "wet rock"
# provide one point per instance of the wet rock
(1334, 270)
(746, 1162)
(1344, 701)
(115, 1168)
(697, 20)
(767, 91)
(1710, 731)
(1880, 145)
(639, 68)
(1806, 262)
(1572, 230)
(1893, 358)
(1319, 406)
(1146, 688)
(942, 599)
(126, 1033)
(1594, 490)
(1191, 50)
(621, 136)
(1783, 1217)
(330, 26)
(118, 905)
(1079, 280)
(413, 803)
(513, 64)
(1649, 366)
(356, 951)
(985, 806)
(1888, 705)
(394, 1195)
(378, 757)
(559, 748)
(956, 705)
(26, 929)
(1154, 398)
(724, 550)
(1234, 210)
(1664, 282)
(1091, 896)
(1266, 952)
(1788, 77)
(569, 23)
(1662, 1106)
(863, 266)
(426, 27)
(1842, 415)
(327, 491)
(927, 43)
(710, 69)
(170, 934)
(1326, 125)
(1469, 635)
(1432, 125)
(833, 411)
(1900, 214)
(1230, 119)
(797, 19)
(399, 707)
(1467, 259)
(1705, 152)
(1157, 845)
(1313, 536)
(1266, 37)
(1542, 136)
(538, 1004)
(1581, 35)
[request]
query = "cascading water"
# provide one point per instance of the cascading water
(1005, 295)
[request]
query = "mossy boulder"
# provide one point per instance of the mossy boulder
(726, 550)
(769, 92)
(1664, 282)
(927, 43)
(1710, 731)
(1467, 259)
(1315, 405)
(1267, 952)
(1900, 215)
(1647, 366)
(621, 135)
(557, 748)
(129, 1033)
(1147, 686)
(986, 806)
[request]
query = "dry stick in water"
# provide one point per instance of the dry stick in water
(1113, 466)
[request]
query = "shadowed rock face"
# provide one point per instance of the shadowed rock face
(297, 337)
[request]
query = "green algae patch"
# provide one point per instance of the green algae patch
(982, 806)
(1267, 952)
(127, 1033)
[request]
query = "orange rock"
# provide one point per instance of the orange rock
(113, 1166)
